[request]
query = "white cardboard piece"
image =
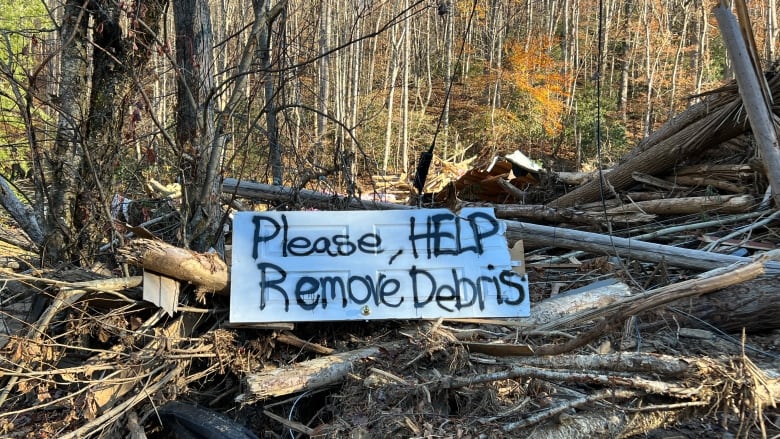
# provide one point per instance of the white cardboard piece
(410, 264)
(162, 291)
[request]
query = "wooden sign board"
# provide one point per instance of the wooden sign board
(406, 264)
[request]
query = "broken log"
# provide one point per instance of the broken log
(574, 178)
(281, 194)
(618, 312)
(690, 180)
(206, 270)
(553, 308)
(547, 236)
(751, 305)
(657, 182)
(21, 213)
(689, 205)
(537, 212)
(725, 120)
(307, 375)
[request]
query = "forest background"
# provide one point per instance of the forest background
(100, 97)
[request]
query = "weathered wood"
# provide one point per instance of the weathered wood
(690, 180)
(281, 194)
(547, 236)
(734, 171)
(537, 212)
(721, 121)
(21, 213)
(553, 308)
(756, 100)
(618, 312)
(307, 375)
(206, 270)
(655, 181)
(574, 178)
(751, 305)
(689, 205)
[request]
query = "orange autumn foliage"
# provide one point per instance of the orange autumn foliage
(537, 76)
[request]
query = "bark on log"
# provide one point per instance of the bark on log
(547, 236)
(21, 213)
(565, 215)
(267, 192)
(689, 205)
(697, 112)
(307, 375)
(690, 180)
(206, 270)
(757, 103)
(555, 307)
(751, 305)
(725, 122)
(574, 178)
(616, 313)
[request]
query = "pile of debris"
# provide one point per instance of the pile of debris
(653, 289)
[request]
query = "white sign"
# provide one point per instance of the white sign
(405, 264)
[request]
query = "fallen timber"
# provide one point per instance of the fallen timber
(535, 234)
(282, 194)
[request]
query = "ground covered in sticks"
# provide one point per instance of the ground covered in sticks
(654, 314)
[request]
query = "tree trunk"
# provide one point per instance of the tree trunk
(90, 137)
(391, 100)
(64, 164)
(117, 67)
(448, 68)
(263, 8)
(677, 61)
(772, 31)
(407, 29)
(324, 70)
(195, 133)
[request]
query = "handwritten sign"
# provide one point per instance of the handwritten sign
(317, 266)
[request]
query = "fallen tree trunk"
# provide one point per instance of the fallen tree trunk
(751, 305)
(547, 236)
(556, 307)
(564, 215)
(206, 270)
(267, 192)
(616, 313)
(689, 205)
(307, 375)
(725, 122)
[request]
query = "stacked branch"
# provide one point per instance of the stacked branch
(716, 120)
